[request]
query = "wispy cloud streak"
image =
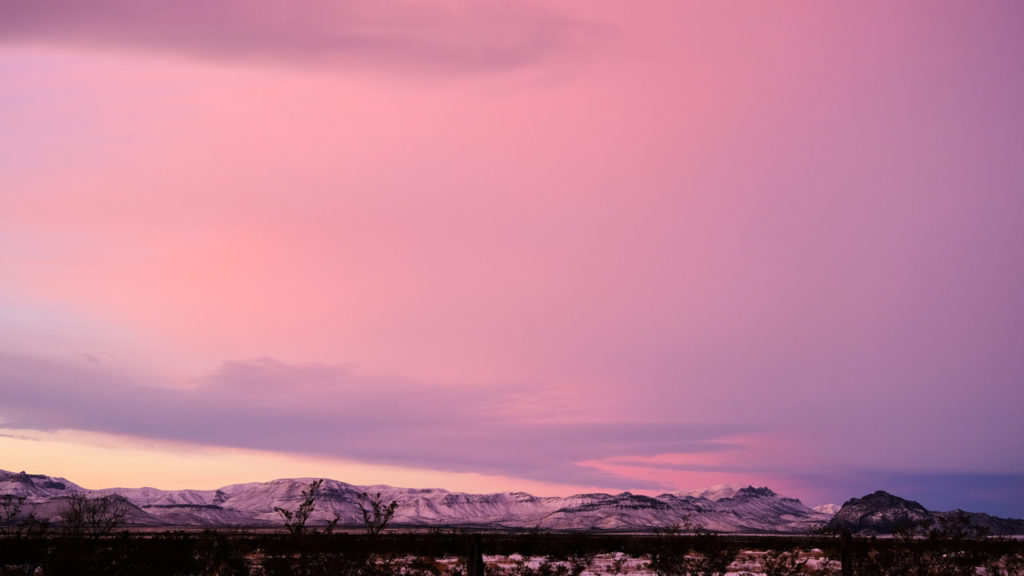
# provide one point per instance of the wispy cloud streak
(338, 412)
(433, 36)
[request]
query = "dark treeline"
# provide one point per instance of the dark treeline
(420, 554)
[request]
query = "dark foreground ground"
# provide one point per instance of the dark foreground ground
(461, 553)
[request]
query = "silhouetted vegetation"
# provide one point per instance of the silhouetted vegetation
(447, 552)
(19, 532)
(17, 524)
(93, 517)
(376, 514)
(952, 546)
(295, 520)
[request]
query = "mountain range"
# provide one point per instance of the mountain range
(719, 509)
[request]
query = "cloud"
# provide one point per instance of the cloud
(429, 36)
(22, 437)
(338, 412)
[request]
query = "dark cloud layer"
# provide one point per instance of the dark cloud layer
(335, 411)
(457, 37)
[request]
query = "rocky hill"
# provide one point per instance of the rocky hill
(882, 513)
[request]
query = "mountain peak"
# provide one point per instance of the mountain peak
(715, 493)
(879, 513)
(883, 499)
(751, 492)
(829, 508)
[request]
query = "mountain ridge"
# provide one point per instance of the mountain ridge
(720, 509)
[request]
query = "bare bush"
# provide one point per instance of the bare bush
(376, 514)
(782, 563)
(295, 520)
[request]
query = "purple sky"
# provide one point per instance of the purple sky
(551, 246)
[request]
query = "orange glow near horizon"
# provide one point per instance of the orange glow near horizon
(97, 461)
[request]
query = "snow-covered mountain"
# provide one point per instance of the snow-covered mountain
(829, 508)
(721, 508)
(36, 487)
(715, 493)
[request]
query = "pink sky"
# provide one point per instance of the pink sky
(491, 245)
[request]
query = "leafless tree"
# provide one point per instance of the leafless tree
(93, 516)
(14, 523)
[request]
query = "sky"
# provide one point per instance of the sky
(557, 246)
